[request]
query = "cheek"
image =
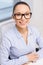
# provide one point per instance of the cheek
(16, 21)
(28, 20)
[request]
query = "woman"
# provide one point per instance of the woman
(19, 43)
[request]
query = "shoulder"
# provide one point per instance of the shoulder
(10, 33)
(34, 30)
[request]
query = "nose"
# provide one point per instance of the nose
(23, 17)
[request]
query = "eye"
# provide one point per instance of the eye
(27, 14)
(18, 14)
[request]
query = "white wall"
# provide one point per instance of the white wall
(37, 19)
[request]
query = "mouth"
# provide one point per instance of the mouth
(22, 23)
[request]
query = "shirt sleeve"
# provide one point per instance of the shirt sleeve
(39, 41)
(4, 54)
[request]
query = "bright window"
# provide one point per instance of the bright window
(5, 9)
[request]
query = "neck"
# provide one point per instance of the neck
(21, 30)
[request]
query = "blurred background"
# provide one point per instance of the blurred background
(6, 7)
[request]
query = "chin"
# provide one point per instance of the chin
(22, 26)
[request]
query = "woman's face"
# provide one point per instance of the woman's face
(22, 15)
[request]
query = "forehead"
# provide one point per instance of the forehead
(22, 8)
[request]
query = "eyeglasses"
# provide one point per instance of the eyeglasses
(19, 16)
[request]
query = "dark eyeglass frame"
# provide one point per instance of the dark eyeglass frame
(14, 15)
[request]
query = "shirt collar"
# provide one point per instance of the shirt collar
(29, 30)
(18, 33)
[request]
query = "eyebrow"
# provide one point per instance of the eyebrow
(21, 13)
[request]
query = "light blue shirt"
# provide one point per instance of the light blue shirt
(13, 45)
